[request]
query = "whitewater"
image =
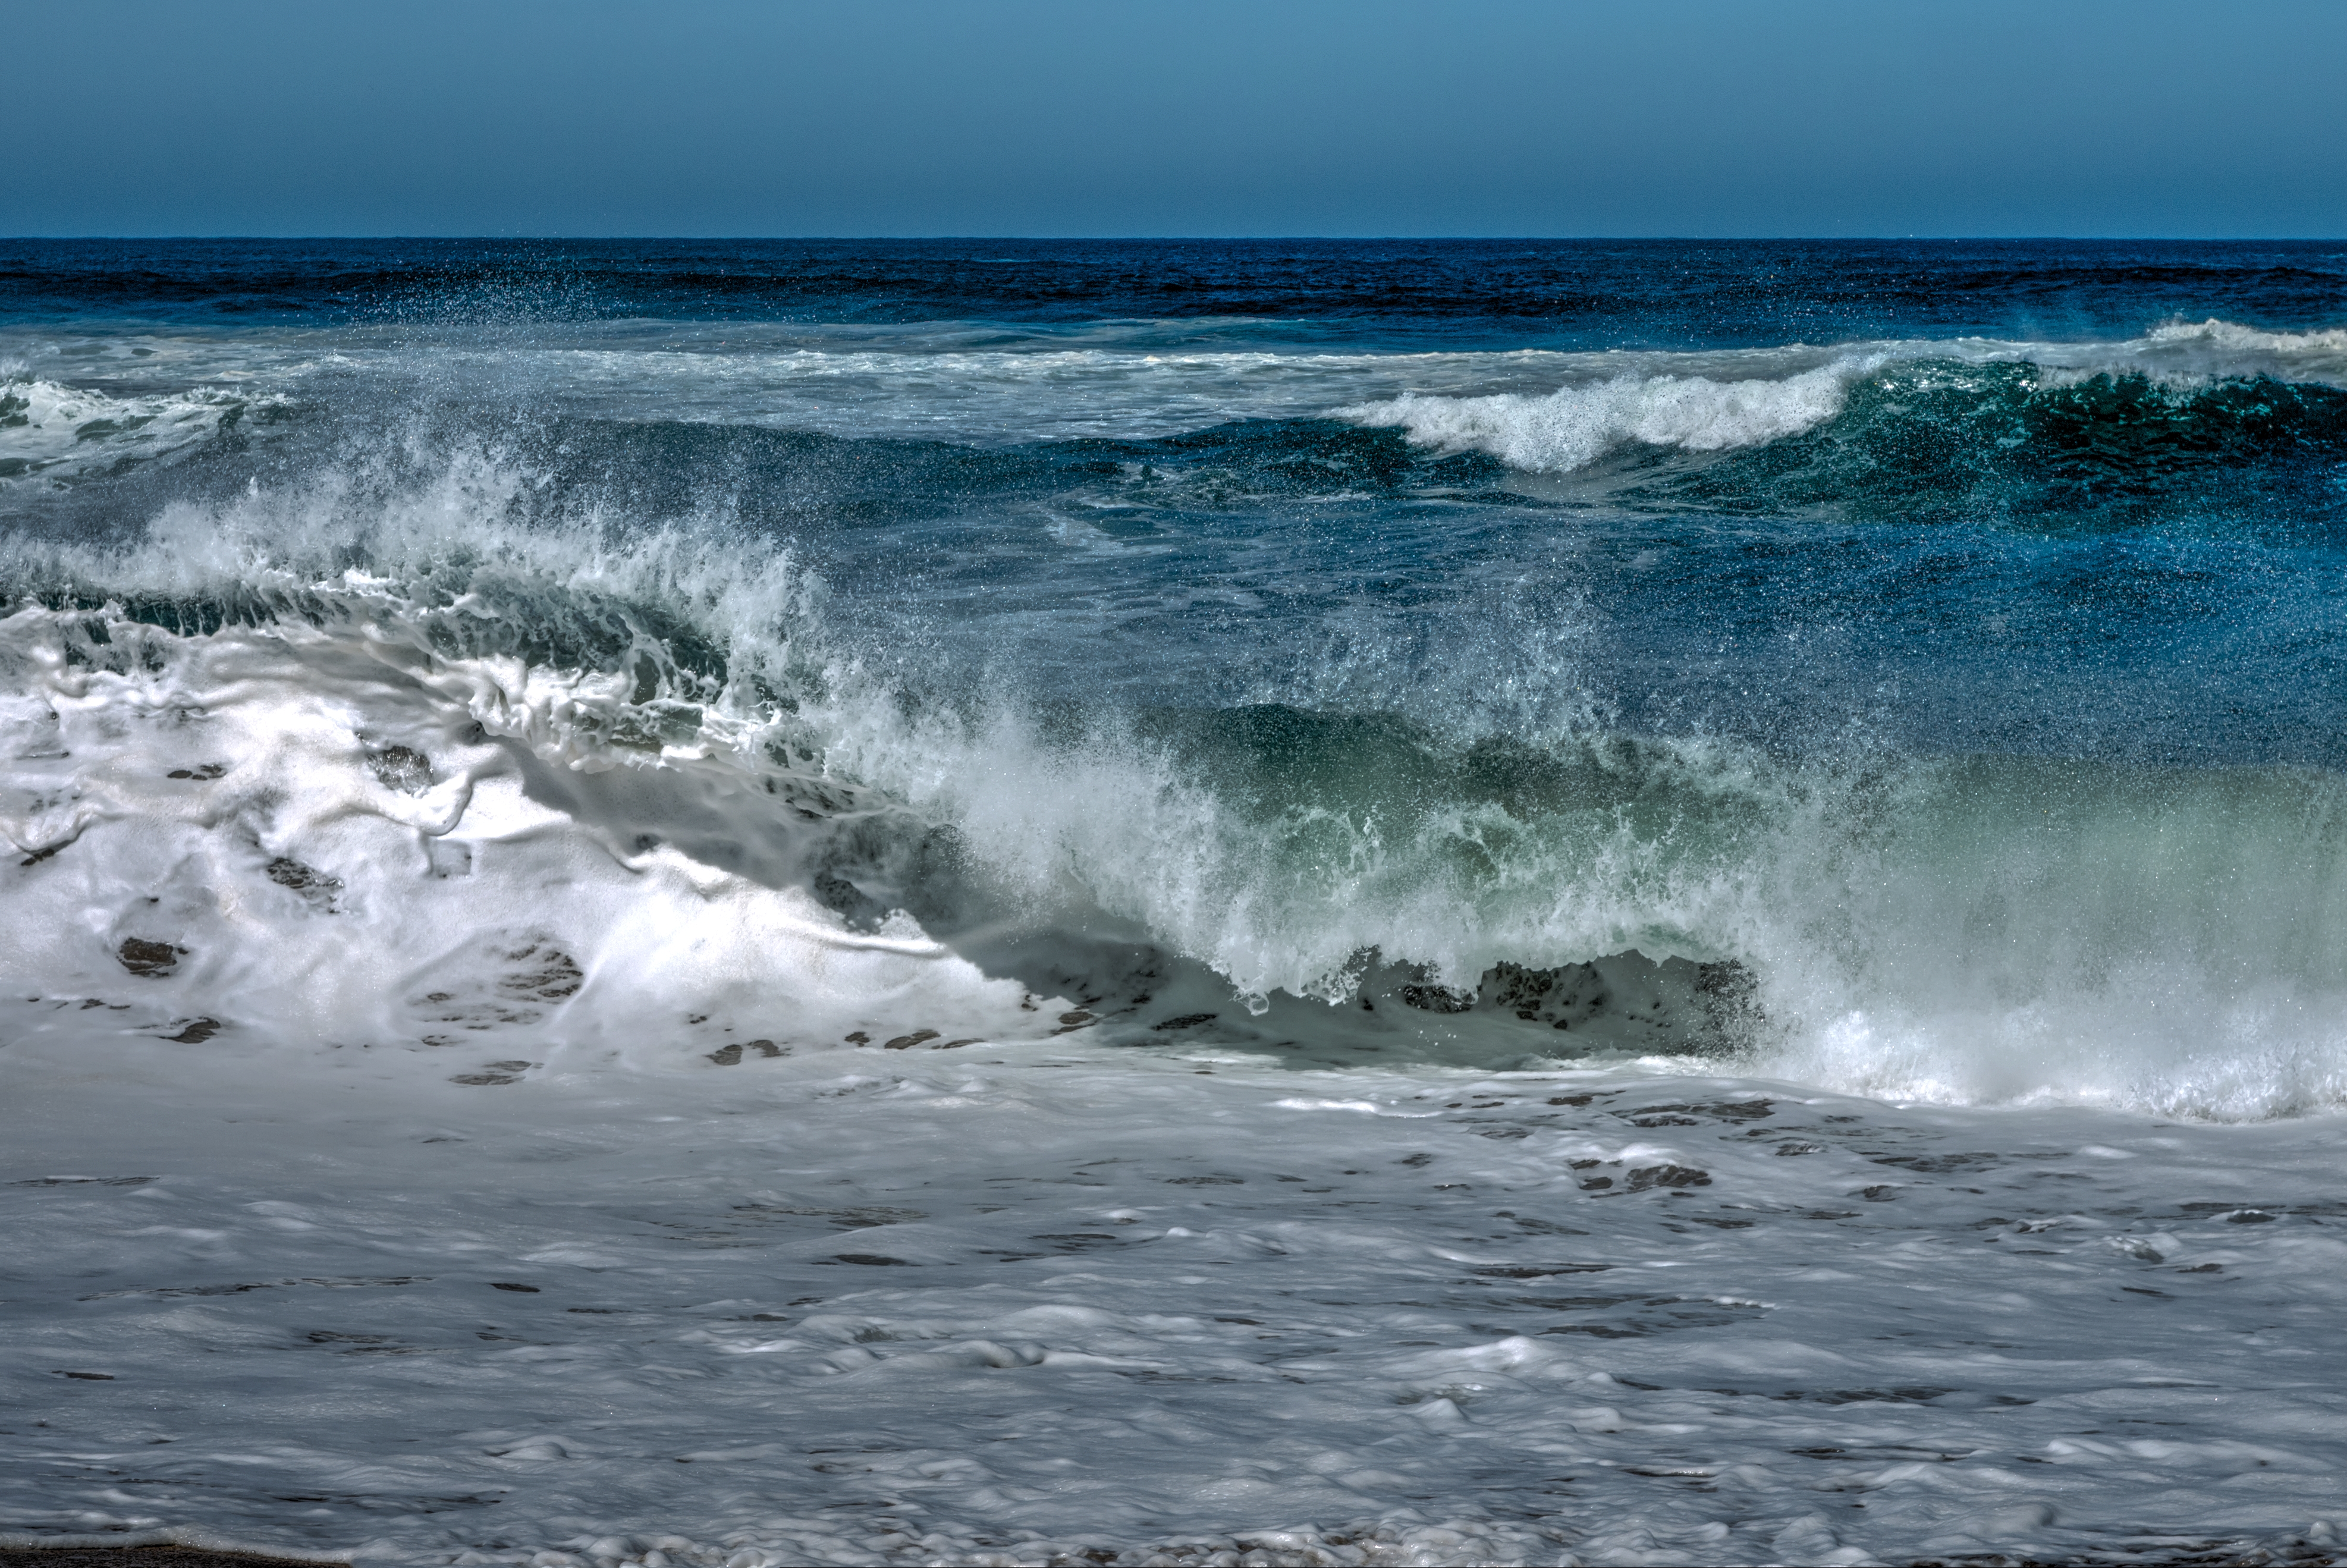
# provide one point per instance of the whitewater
(623, 863)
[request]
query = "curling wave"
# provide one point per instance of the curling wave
(409, 777)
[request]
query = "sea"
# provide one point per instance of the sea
(1753, 834)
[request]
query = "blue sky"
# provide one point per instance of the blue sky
(1211, 116)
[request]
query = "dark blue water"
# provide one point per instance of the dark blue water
(1546, 293)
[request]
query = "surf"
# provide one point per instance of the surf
(335, 798)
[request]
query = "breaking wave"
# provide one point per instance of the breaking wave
(392, 767)
(1972, 401)
(1573, 426)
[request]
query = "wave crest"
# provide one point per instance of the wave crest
(1573, 426)
(1711, 403)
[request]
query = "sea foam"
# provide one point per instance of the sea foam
(1715, 401)
(1573, 426)
(58, 432)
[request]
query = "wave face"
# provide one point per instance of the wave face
(1908, 671)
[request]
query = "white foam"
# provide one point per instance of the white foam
(1575, 426)
(2183, 358)
(1004, 1305)
(337, 837)
(53, 432)
(1715, 401)
(2231, 338)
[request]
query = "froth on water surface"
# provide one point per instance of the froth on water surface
(1024, 1304)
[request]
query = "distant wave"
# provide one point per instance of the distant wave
(2228, 338)
(1575, 426)
(1539, 411)
(1715, 405)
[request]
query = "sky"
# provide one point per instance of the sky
(1696, 117)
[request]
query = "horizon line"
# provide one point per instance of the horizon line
(1250, 237)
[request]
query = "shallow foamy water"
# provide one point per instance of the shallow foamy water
(1018, 1304)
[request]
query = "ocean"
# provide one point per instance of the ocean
(601, 829)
